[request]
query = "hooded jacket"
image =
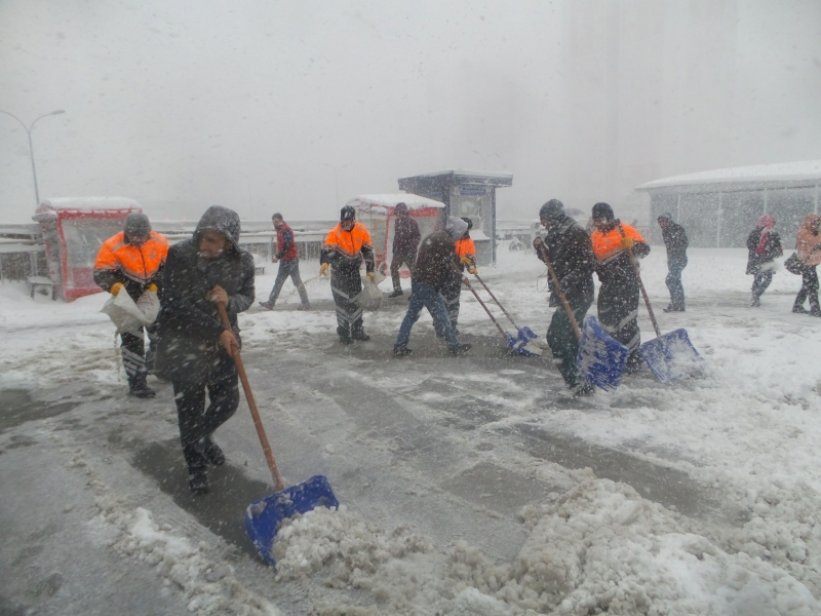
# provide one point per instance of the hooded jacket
(571, 255)
(188, 324)
(436, 262)
(763, 245)
(134, 266)
(808, 241)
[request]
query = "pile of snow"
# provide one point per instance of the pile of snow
(598, 548)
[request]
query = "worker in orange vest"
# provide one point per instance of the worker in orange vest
(344, 249)
(130, 262)
(618, 302)
(464, 258)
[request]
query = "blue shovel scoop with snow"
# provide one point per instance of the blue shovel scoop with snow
(670, 357)
(264, 517)
(600, 358)
(524, 335)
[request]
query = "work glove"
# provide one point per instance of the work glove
(152, 288)
(472, 269)
(371, 276)
(323, 269)
(116, 288)
(627, 242)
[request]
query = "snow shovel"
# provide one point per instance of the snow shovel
(264, 517)
(523, 334)
(600, 358)
(514, 346)
(670, 357)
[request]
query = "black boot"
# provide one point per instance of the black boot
(138, 388)
(460, 349)
(396, 293)
(212, 452)
(198, 482)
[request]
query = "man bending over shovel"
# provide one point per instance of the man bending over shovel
(614, 246)
(567, 248)
(195, 350)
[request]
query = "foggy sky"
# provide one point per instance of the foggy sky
(298, 106)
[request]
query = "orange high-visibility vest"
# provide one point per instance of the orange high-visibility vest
(139, 263)
(464, 247)
(348, 243)
(607, 244)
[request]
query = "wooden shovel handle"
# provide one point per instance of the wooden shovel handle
(562, 298)
(489, 313)
(279, 484)
(634, 262)
(493, 297)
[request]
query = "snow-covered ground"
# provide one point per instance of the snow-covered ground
(470, 485)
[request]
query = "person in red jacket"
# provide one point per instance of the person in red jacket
(130, 261)
(288, 258)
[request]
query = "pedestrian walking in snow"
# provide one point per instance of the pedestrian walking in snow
(130, 261)
(288, 257)
(808, 249)
(618, 301)
(405, 243)
(344, 249)
(763, 246)
(567, 247)
(434, 269)
(675, 240)
(195, 351)
(464, 259)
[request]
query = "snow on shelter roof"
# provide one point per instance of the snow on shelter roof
(791, 172)
(389, 201)
(85, 203)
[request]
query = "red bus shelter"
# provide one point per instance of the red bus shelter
(378, 214)
(73, 230)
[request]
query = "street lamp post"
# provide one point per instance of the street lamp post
(28, 130)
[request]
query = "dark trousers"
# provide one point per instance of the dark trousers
(397, 261)
(452, 292)
(197, 421)
(809, 289)
(761, 281)
(345, 286)
(135, 360)
(286, 269)
(674, 285)
(563, 342)
(618, 307)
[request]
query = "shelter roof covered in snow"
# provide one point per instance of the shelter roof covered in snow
(788, 173)
(389, 200)
(70, 203)
(463, 176)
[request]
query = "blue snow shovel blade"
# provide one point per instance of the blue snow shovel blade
(517, 345)
(264, 517)
(601, 359)
(672, 357)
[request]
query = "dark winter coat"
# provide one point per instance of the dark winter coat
(405, 236)
(675, 240)
(772, 248)
(571, 255)
(188, 324)
(434, 262)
